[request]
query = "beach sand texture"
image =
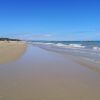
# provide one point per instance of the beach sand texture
(44, 75)
(10, 51)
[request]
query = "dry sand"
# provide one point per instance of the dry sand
(44, 75)
(10, 51)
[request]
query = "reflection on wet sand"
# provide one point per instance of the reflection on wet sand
(90, 65)
(44, 75)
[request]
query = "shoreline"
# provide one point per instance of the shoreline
(46, 75)
(91, 65)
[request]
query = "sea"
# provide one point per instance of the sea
(89, 50)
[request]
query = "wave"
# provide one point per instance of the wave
(70, 46)
(96, 48)
(61, 45)
(82, 50)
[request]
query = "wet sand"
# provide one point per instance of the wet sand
(44, 75)
(10, 51)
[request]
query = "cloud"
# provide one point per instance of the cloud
(41, 35)
(26, 36)
(30, 36)
(74, 35)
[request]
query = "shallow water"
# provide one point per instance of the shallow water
(44, 75)
(86, 50)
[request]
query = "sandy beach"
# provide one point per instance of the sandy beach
(10, 51)
(45, 75)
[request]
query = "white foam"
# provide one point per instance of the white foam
(70, 45)
(96, 48)
(76, 45)
(73, 46)
(61, 45)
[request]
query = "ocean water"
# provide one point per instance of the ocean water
(89, 50)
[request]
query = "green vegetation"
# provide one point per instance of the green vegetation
(8, 39)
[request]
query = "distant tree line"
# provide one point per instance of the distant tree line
(8, 39)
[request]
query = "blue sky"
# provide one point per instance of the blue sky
(50, 19)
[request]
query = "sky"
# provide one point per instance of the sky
(50, 19)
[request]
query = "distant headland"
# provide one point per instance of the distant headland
(9, 39)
